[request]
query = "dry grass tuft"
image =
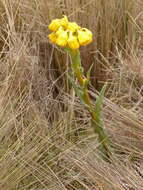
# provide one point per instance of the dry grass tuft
(46, 141)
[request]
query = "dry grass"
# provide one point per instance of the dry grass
(43, 147)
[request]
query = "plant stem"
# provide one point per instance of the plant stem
(95, 112)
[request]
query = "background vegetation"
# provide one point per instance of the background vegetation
(46, 141)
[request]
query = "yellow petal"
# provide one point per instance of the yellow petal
(54, 25)
(62, 37)
(84, 36)
(73, 26)
(60, 30)
(64, 22)
(73, 42)
(53, 37)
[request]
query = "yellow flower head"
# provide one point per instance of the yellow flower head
(54, 25)
(62, 37)
(73, 26)
(69, 34)
(53, 37)
(84, 36)
(73, 41)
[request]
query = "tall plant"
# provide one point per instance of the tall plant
(71, 36)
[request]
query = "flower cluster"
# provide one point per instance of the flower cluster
(69, 34)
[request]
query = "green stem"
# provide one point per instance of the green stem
(95, 116)
(76, 65)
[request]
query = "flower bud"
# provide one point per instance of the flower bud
(64, 22)
(84, 36)
(73, 41)
(54, 25)
(73, 26)
(53, 37)
(62, 37)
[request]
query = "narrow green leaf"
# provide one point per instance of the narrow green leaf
(98, 107)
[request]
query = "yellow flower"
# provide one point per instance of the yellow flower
(53, 37)
(73, 26)
(64, 22)
(54, 25)
(62, 37)
(69, 34)
(73, 41)
(84, 36)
